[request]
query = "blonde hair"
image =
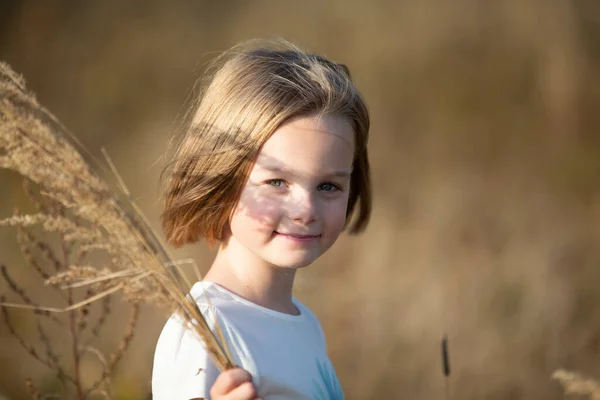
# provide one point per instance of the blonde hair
(250, 94)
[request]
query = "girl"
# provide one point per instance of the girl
(273, 167)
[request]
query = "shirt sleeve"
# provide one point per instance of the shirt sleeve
(182, 368)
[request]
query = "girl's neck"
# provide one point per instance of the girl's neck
(243, 273)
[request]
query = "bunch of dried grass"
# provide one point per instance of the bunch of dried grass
(82, 327)
(74, 202)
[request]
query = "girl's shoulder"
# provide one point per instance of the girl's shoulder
(209, 294)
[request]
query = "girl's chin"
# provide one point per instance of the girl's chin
(293, 263)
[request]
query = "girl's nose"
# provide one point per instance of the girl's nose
(302, 207)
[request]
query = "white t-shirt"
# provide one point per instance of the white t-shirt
(285, 354)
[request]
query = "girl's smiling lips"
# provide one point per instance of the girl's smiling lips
(297, 237)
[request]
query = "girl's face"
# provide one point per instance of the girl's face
(293, 206)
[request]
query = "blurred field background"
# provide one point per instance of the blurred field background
(485, 151)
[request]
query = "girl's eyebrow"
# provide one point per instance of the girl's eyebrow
(343, 173)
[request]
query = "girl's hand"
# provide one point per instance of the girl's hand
(234, 384)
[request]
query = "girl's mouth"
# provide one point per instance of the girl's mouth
(297, 237)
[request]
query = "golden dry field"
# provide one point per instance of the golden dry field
(485, 154)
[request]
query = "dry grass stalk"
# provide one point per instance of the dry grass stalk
(575, 384)
(74, 203)
(75, 323)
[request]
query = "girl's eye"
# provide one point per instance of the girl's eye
(328, 187)
(275, 182)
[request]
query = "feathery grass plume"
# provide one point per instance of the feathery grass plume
(90, 216)
(575, 384)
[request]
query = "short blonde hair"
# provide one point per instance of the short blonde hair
(251, 92)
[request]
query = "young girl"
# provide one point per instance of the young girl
(273, 167)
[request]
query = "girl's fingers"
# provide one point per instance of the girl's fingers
(229, 380)
(245, 391)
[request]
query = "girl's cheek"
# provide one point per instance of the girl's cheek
(337, 214)
(259, 207)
